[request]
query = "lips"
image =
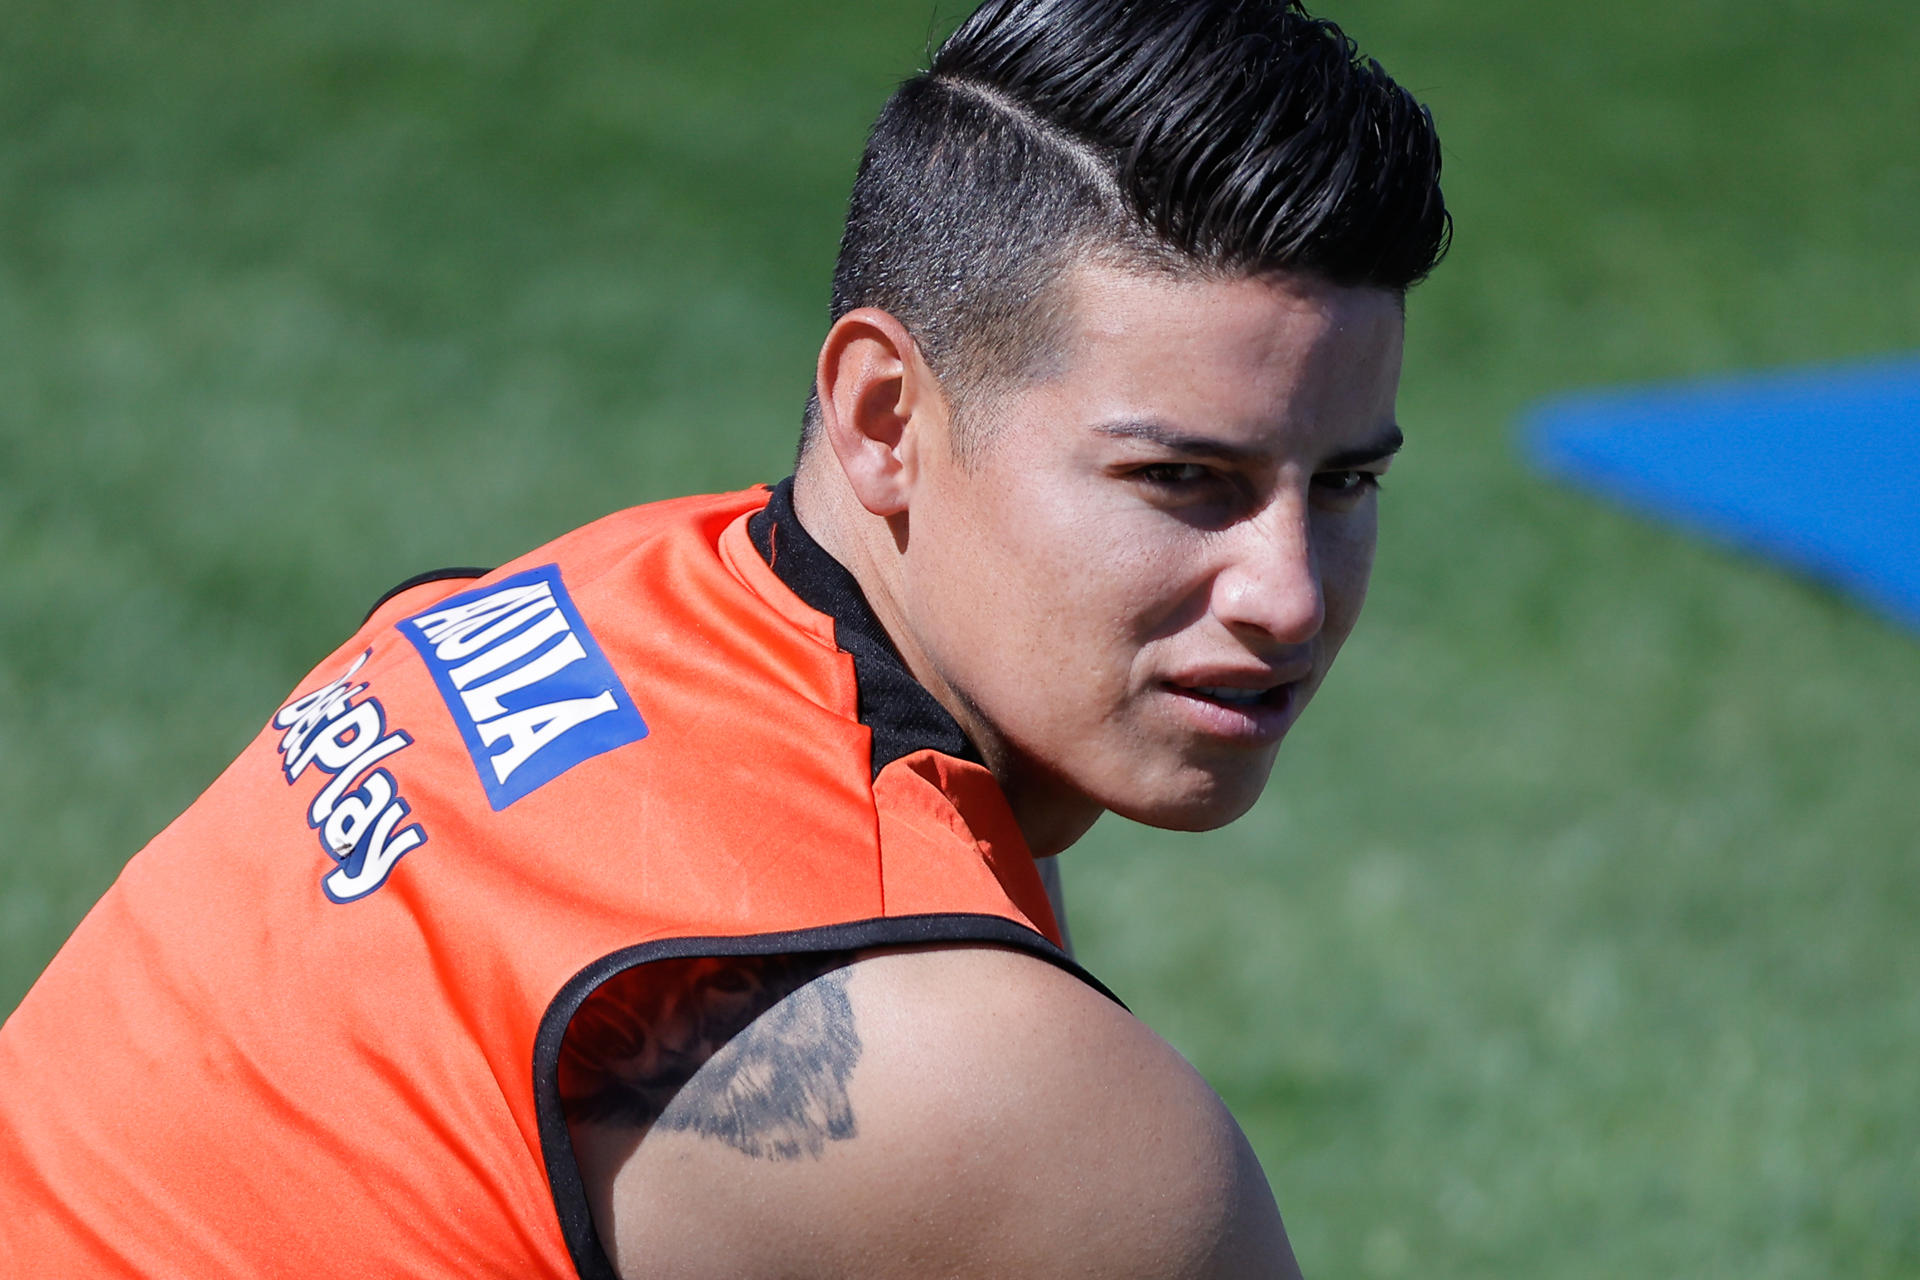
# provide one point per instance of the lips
(1254, 705)
(1239, 684)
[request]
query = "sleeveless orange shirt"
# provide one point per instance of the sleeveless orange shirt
(313, 1028)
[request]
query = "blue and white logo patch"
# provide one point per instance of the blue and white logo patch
(531, 691)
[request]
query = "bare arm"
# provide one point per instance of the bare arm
(961, 1112)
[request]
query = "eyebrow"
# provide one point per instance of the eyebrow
(1175, 441)
(1385, 446)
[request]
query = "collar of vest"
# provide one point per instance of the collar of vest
(902, 716)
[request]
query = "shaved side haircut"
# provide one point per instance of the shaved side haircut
(1221, 138)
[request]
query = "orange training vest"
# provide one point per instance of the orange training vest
(313, 1027)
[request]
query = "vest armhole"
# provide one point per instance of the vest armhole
(420, 580)
(556, 1147)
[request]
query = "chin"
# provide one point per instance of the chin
(1206, 806)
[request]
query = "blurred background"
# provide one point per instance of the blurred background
(1576, 936)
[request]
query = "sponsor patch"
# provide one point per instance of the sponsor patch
(359, 816)
(529, 688)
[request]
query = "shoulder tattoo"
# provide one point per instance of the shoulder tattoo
(753, 1051)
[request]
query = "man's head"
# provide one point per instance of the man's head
(1222, 138)
(1111, 381)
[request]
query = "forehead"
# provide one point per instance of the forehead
(1238, 354)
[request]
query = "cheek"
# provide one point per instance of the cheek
(1123, 579)
(1070, 558)
(1346, 545)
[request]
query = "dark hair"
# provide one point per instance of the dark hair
(1224, 137)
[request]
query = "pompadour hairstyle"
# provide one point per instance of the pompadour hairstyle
(1223, 138)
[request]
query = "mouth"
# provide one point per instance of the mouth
(1234, 697)
(1250, 713)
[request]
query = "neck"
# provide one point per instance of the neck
(873, 549)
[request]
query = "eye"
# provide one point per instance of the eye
(1346, 484)
(1173, 475)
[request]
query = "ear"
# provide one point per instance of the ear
(880, 406)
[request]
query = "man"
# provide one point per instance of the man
(665, 903)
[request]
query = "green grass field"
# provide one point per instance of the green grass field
(1576, 937)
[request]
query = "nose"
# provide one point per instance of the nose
(1269, 589)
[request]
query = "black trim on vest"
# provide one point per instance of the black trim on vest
(897, 709)
(556, 1147)
(421, 579)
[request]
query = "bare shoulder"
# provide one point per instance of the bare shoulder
(952, 1112)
